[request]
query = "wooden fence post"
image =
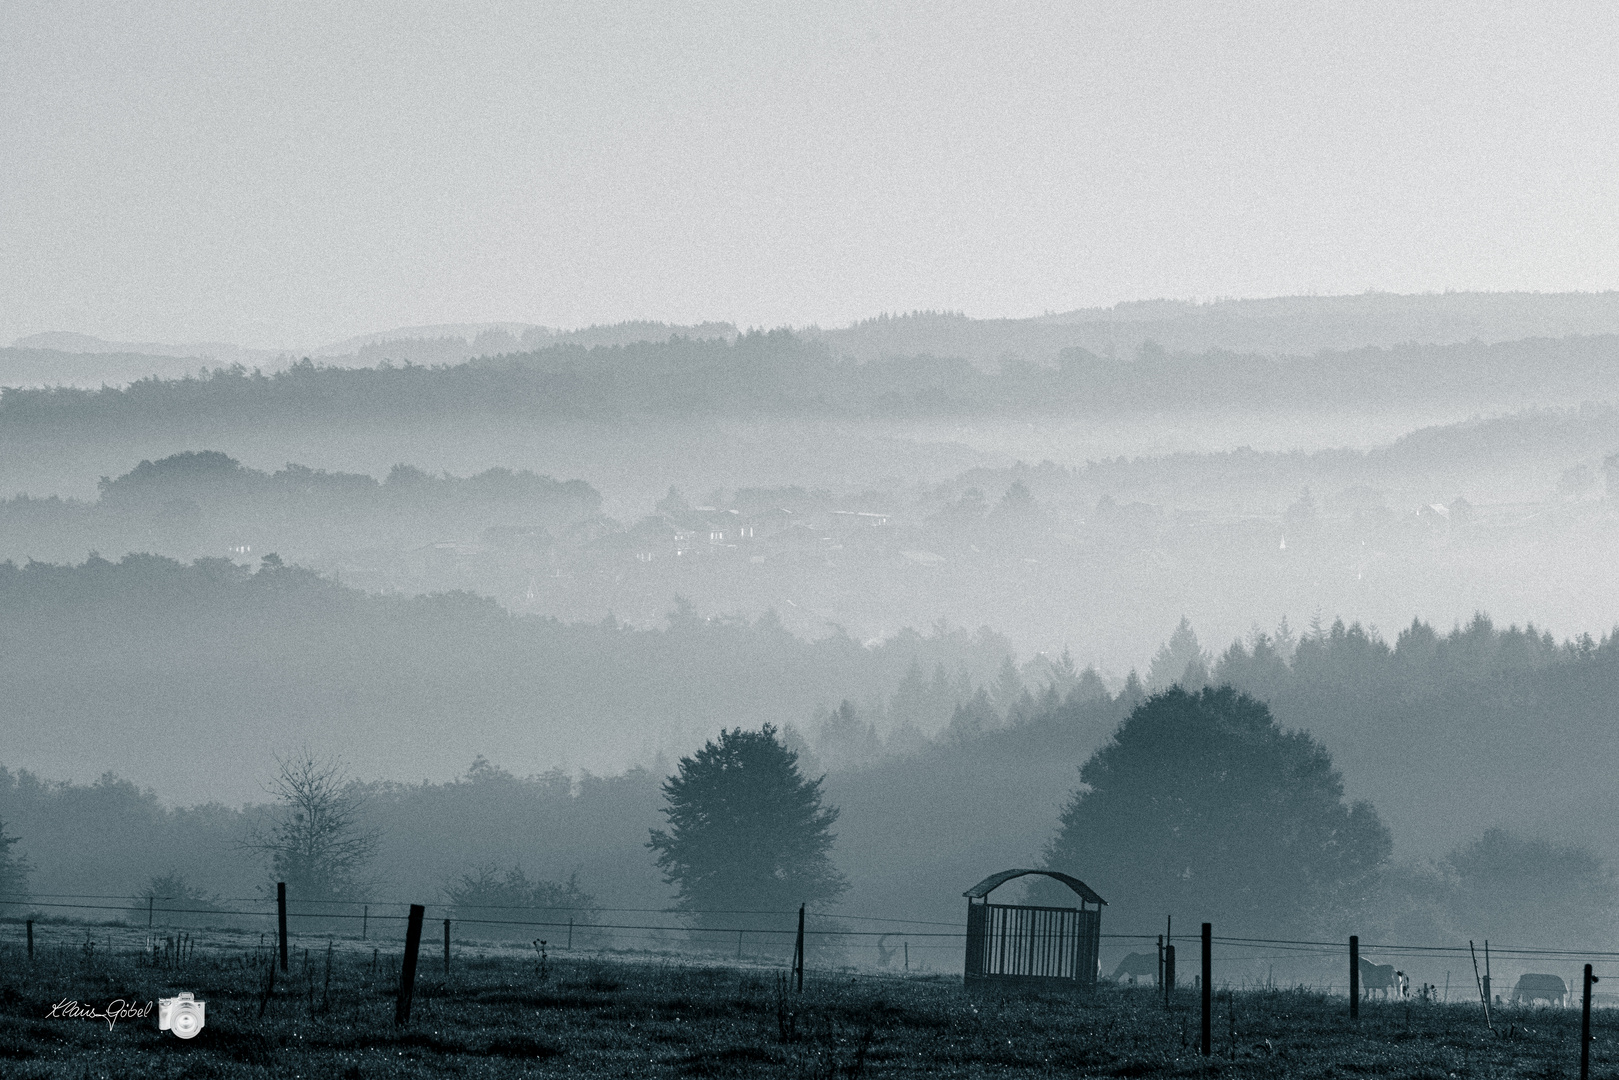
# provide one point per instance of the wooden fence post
(281, 918)
(446, 946)
(1585, 1027)
(150, 901)
(1208, 988)
(1354, 977)
(1169, 973)
(30, 940)
(798, 951)
(365, 917)
(1483, 994)
(407, 970)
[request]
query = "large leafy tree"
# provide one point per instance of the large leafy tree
(1202, 807)
(747, 832)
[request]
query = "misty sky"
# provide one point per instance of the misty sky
(281, 175)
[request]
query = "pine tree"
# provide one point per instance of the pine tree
(1179, 661)
(1008, 686)
(747, 833)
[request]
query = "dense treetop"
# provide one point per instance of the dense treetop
(1201, 802)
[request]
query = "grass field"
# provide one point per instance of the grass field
(495, 1015)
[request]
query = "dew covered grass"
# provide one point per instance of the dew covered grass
(494, 1015)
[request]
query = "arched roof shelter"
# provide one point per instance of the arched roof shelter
(1085, 893)
(1012, 944)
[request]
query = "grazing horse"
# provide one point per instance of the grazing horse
(1378, 977)
(1532, 988)
(1137, 965)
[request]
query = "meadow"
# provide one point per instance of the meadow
(498, 1013)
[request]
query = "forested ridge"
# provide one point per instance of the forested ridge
(214, 656)
(1499, 711)
(782, 373)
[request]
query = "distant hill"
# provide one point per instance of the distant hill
(217, 352)
(782, 373)
(1275, 326)
(454, 344)
(1290, 325)
(61, 358)
(36, 367)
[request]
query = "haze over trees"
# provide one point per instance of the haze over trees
(316, 842)
(14, 868)
(749, 836)
(1200, 802)
(605, 549)
(780, 373)
(491, 901)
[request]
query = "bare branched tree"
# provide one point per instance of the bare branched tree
(14, 871)
(317, 841)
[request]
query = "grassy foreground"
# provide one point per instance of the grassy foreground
(495, 1016)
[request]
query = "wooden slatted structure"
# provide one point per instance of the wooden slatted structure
(1025, 944)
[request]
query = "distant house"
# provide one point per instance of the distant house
(770, 522)
(800, 539)
(849, 521)
(650, 539)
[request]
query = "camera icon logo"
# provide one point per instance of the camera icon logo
(182, 1015)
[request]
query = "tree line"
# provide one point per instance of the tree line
(1198, 804)
(782, 373)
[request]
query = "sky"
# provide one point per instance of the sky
(285, 175)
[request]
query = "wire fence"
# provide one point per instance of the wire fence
(927, 936)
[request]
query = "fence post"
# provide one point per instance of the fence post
(1161, 961)
(1169, 973)
(150, 901)
(446, 946)
(1585, 1027)
(30, 940)
(407, 969)
(365, 917)
(1208, 988)
(798, 951)
(570, 933)
(281, 919)
(1354, 977)
(1483, 995)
